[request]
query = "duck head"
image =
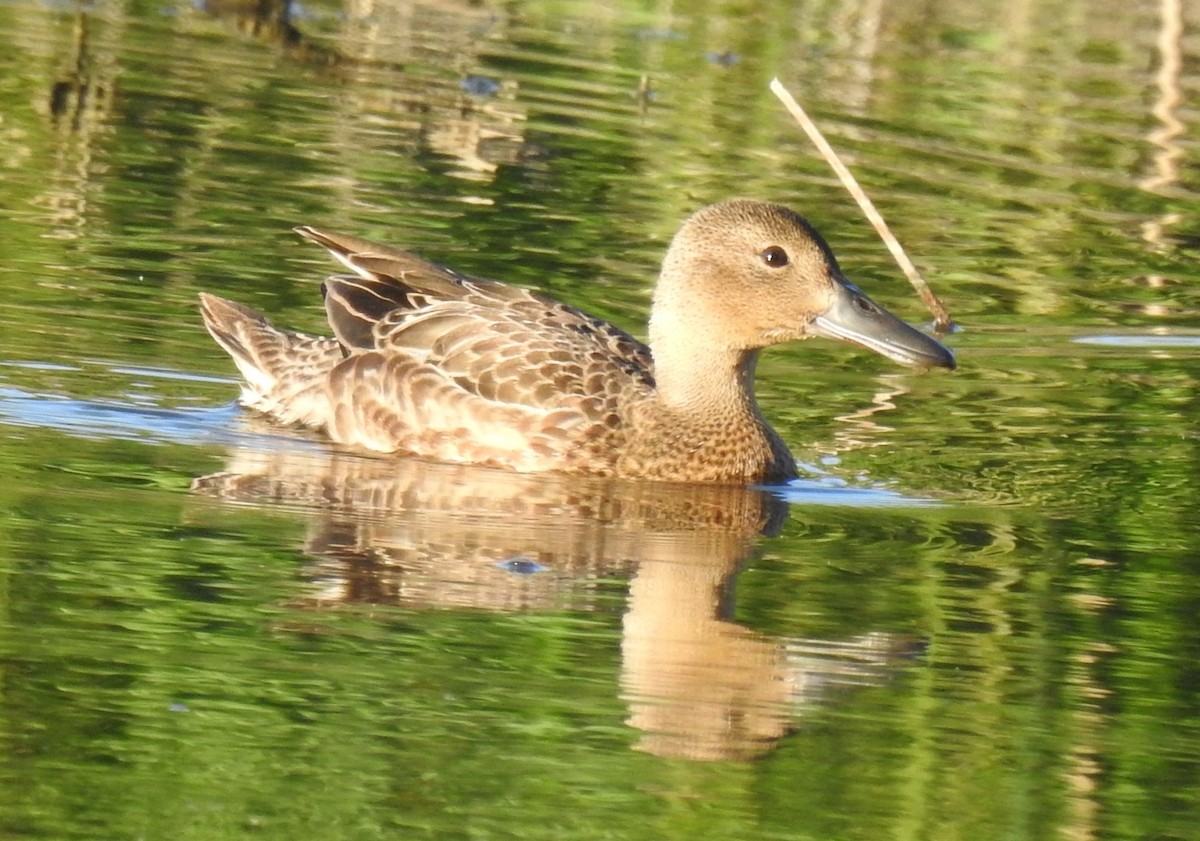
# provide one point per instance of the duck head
(743, 275)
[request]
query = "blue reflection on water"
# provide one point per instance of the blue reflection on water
(817, 486)
(1138, 340)
(99, 419)
(833, 491)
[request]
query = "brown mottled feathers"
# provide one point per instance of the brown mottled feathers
(282, 370)
(430, 362)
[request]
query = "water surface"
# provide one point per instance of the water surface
(975, 616)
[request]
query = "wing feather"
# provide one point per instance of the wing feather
(466, 369)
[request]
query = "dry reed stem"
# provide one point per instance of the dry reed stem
(941, 319)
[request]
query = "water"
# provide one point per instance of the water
(975, 616)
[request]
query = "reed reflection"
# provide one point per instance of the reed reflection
(433, 536)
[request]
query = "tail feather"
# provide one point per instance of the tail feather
(284, 371)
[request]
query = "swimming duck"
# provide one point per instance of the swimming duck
(429, 362)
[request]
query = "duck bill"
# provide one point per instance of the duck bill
(853, 317)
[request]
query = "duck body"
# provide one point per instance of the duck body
(428, 362)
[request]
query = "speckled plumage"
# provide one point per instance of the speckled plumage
(429, 362)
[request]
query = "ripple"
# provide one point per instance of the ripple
(1138, 340)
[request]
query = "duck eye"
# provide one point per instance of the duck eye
(775, 257)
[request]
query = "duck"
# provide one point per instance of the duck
(424, 361)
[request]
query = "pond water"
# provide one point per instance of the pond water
(977, 615)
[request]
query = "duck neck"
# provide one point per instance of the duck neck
(706, 415)
(713, 381)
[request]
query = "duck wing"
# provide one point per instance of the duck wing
(500, 341)
(461, 368)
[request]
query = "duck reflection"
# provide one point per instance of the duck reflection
(435, 536)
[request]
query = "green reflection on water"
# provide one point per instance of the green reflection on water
(166, 669)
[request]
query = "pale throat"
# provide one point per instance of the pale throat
(693, 371)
